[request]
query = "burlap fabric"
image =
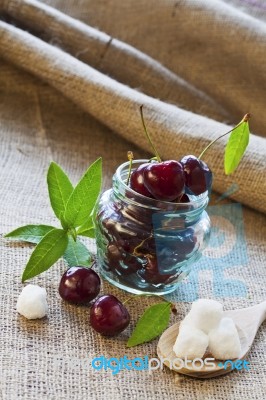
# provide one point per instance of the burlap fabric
(70, 92)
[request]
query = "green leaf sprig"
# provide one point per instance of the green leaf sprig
(151, 324)
(236, 145)
(75, 209)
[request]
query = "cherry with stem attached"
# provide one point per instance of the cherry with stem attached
(198, 176)
(163, 179)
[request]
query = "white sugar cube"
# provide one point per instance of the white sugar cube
(224, 342)
(32, 302)
(190, 342)
(205, 314)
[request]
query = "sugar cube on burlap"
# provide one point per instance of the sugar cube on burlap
(32, 302)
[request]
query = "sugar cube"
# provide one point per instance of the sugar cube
(224, 342)
(32, 302)
(190, 342)
(205, 314)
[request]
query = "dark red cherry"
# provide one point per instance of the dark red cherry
(129, 265)
(120, 261)
(137, 181)
(184, 198)
(207, 174)
(115, 252)
(151, 272)
(165, 180)
(79, 285)
(198, 176)
(109, 316)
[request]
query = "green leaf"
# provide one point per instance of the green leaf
(151, 324)
(88, 233)
(87, 229)
(30, 233)
(77, 254)
(46, 253)
(85, 195)
(236, 147)
(60, 189)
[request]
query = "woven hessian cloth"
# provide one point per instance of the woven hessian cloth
(70, 91)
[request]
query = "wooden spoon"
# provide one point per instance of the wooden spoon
(247, 320)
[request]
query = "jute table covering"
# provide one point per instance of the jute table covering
(70, 91)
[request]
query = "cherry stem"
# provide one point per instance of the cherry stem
(244, 119)
(148, 136)
(130, 157)
(135, 251)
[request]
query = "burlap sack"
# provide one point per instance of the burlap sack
(70, 92)
(175, 130)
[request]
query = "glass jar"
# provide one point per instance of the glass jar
(146, 245)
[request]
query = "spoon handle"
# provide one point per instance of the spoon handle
(261, 307)
(249, 319)
(255, 316)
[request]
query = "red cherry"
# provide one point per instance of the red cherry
(151, 272)
(79, 285)
(109, 316)
(137, 181)
(198, 176)
(184, 198)
(164, 180)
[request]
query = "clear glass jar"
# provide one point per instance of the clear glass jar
(146, 245)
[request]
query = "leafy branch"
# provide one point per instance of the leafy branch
(75, 209)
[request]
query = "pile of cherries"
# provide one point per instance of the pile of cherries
(133, 253)
(108, 315)
(170, 180)
(127, 235)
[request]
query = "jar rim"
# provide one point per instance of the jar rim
(197, 203)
